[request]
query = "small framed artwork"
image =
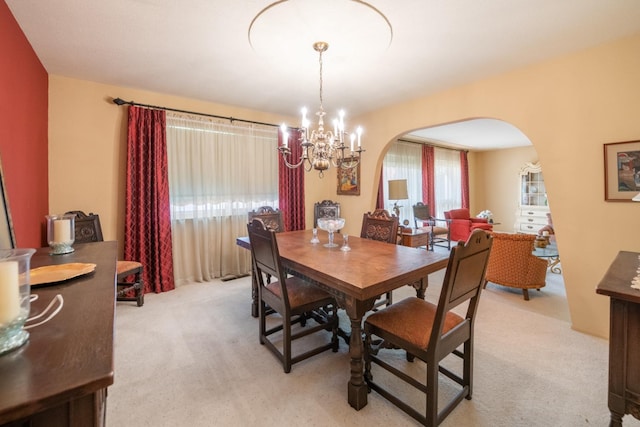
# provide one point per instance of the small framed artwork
(349, 180)
(621, 171)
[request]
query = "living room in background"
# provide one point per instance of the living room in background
(404, 161)
(218, 172)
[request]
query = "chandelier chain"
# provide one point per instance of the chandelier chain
(320, 60)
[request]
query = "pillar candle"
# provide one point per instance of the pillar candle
(9, 292)
(61, 230)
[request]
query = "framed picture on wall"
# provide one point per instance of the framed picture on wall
(349, 180)
(621, 171)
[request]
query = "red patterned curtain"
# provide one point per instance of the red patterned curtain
(464, 179)
(291, 185)
(428, 178)
(147, 227)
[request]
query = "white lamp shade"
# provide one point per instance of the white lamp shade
(398, 189)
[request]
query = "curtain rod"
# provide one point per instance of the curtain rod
(431, 144)
(120, 101)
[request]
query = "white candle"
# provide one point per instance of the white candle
(353, 138)
(9, 292)
(545, 233)
(61, 230)
(359, 131)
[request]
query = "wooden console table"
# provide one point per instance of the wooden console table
(624, 342)
(60, 376)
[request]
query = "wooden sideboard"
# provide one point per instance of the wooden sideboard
(624, 336)
(60, 376)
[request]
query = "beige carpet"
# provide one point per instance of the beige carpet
(191, 357)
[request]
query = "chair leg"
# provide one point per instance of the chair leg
(432, 394)
(525, 292)
(286, 345)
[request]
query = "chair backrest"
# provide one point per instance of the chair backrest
(510, 257)
(325, 209)
(265, 256)
(272, 218)
(379, 225)
(421, 213)
(87, 227)
(462, 213)
(463, 280)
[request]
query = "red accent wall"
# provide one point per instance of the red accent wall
(24, 86)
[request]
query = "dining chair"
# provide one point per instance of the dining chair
(129, 273)
(381, 226)
(325, 209)
(294, 299)
(271, 217)
(431, 333)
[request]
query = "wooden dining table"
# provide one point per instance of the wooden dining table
(356, 278)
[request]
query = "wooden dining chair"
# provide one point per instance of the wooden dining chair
(325, 209)
(129, 273)
(271, 217)
(431, 333)
(381, 226)
(294, 299)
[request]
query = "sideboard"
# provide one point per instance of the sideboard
(624, 336)
(60, 376)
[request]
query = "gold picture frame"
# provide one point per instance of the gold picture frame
(621, 171)
(349, 180)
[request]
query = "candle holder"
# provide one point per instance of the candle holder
(14, 297)
(61, 233)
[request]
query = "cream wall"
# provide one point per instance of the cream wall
(500, 174)
(567, 107)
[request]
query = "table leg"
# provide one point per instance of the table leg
(357, 388)
(421, 287)
(553, 265)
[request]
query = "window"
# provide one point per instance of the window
(404, 161)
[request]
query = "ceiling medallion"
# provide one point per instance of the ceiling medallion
(352, 27)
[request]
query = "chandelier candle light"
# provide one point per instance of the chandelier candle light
(322, 149)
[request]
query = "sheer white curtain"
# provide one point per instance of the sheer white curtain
(448, 184)
(218, 172)
(403, 161)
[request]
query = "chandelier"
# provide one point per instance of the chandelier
(320, 148)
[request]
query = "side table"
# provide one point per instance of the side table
(415, 237)
(624, 346)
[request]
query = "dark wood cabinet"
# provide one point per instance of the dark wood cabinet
(624, 336)
(60, 376)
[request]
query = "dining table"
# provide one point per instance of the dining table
(356, 278)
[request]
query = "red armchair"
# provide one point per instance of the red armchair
(461, 224)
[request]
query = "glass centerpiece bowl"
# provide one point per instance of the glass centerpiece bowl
(331, 225)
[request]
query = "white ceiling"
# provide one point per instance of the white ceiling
(384, 53)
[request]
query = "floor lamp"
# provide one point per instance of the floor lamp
(397, 191)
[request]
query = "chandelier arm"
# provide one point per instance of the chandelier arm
(286, 153)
